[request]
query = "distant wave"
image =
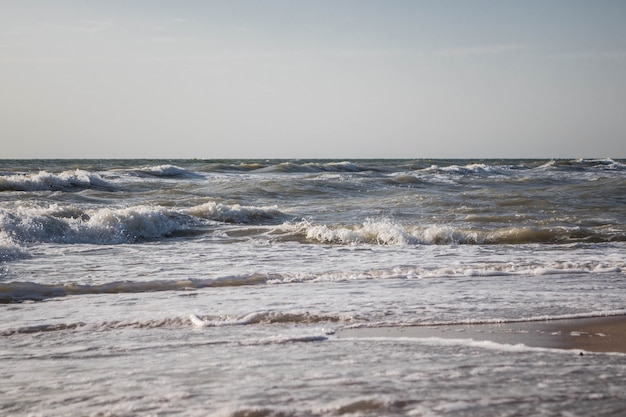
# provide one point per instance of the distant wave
(452, 166)
(479, 168)
(45, 181)
(605, 164)
(406, 171)
(309, 167)
(549, 172)
(168, 171)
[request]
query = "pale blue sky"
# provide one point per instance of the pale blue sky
(312, 79)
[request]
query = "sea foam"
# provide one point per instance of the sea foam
(57, 223)
(235, 213)
(77, 179)
(390, 232)
(69, 224)
(22, 291)
(168, 171)
(10, 250)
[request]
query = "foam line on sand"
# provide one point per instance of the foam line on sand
(596, 334)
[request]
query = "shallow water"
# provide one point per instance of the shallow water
(217, 287)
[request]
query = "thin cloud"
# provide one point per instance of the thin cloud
(367, 53)
(84, 26)
(614, 55)
(480, 50)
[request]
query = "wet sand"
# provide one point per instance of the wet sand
(597, 334)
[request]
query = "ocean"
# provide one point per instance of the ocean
(220, 287)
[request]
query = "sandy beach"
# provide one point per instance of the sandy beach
(597, 334)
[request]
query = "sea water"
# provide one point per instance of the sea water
(205, 287)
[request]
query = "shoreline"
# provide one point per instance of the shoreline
(594, 334)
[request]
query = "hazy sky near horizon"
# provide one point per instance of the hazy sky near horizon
(312, 79)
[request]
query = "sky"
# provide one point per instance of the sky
(312, 79)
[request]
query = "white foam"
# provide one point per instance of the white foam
(464, 342)
(605, 164)
(379, 232)
(474, 169)
(234, 213)
(390, 232)
(343, 166)
(265, 317)
(548, 165)
(69, 224)
(197, 321)
(9, 250)
(168, 170)
(475, 269)
(46, 181)
(149, 323)
(132, 223)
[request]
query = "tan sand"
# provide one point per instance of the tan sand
(598, 334)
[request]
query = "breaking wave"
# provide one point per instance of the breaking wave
(75, 180)
(484, 167)
(71, 224)
(388, 232)
(312, 167)
(471, 169)
(9, 250)
(236, 213)
(168, 171)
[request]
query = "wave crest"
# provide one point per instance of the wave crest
(235, 213)
(75, 180)
(15, 292)
(168, 171)
(266, 317)
(193, 320)
(388, 232)
(11, 292)
(9, 250)
(312, 167)
(69, 224)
